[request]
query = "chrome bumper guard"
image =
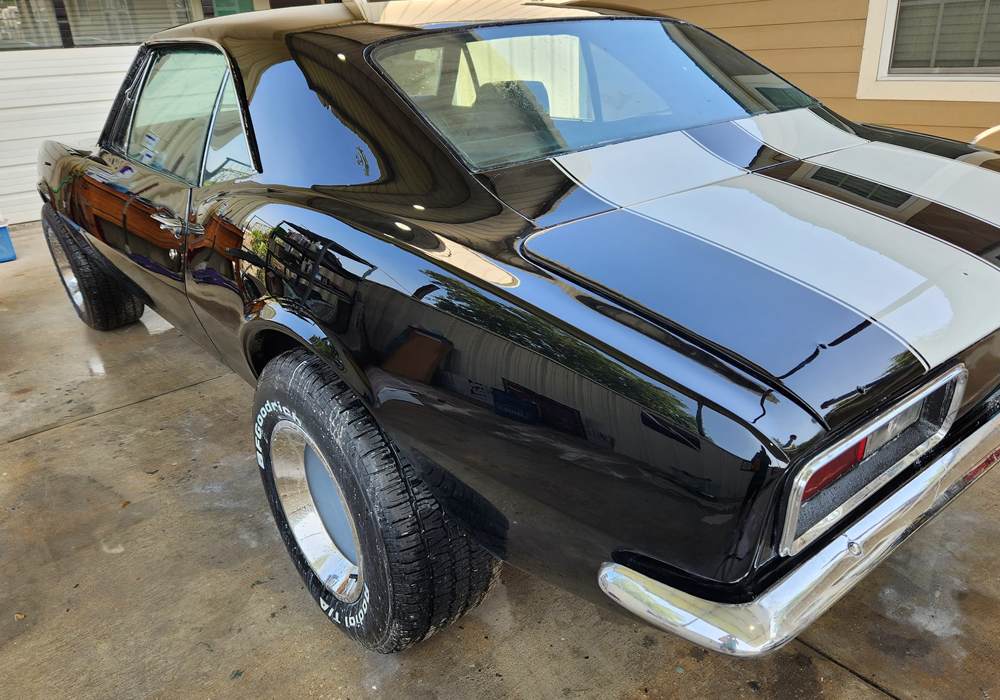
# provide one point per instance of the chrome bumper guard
(793, 603)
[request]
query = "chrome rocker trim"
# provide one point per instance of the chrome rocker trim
(793, 603)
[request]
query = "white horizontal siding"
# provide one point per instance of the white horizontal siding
(60, 94)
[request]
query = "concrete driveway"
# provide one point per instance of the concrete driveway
(138, 559)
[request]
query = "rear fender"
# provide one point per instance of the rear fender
(274, 326)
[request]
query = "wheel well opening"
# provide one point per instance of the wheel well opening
(267, 345)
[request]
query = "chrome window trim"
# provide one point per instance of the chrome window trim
(789, 543)
(140, 85)
(211, 125)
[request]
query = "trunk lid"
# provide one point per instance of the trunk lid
(768, 258)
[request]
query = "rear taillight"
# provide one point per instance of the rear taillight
(897, 425)
(844, 475)
(836, 467)
(851, 456)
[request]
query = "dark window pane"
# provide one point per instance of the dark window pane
(958, 38)
(990, 54)
(171, 120)
(231, 7)
(277, 4)
(914, 41)
(28, 24)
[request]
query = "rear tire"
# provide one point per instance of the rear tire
(98, 298)
(414, 570)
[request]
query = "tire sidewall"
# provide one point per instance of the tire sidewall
(60, 236)
(367, 619)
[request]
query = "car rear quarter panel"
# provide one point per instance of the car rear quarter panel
(561, 430)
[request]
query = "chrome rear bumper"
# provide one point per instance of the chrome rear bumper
(793, 603)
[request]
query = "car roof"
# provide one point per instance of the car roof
(397, 17)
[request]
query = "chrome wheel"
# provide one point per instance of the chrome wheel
(65, 269)
(316, 511)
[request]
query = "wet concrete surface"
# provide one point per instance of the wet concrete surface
(136, 542)
(55, 369)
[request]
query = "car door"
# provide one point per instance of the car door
(252, 244)
(217, 284)
(165, 146)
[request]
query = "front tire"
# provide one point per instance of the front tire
(98, 299)
(377, 552)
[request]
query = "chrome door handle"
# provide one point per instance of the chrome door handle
(176, 226)
(169, 223)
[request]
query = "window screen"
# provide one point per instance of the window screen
(28, 24)
(174, 111)
(947, 36)
(123, 21)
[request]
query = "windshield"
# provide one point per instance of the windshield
(511, 93)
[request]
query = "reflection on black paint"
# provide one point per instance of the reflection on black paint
(333, 154)
(529, 331)
(732, 144)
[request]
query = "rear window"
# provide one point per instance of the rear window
(512, 93)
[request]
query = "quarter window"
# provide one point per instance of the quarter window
(228, 156)
(174, 111)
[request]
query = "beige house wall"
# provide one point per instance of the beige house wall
(817, 45)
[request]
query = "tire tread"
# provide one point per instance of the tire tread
(437, 572)
(108, 304)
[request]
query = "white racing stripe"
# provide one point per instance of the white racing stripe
(971, 189)
(635, 171)
(934, 297)
(643, 169)
(800, 133)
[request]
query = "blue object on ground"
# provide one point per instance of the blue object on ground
(6, 247)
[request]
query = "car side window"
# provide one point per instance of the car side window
(228, 156)
(174, 111)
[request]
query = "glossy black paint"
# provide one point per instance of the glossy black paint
(557, 410)
(660, 272)
(734, 145)
(544, 193)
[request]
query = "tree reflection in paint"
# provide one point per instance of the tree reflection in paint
(525, 329)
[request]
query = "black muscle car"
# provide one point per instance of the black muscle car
(595, 295)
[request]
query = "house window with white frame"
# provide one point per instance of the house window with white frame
(946, 36)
